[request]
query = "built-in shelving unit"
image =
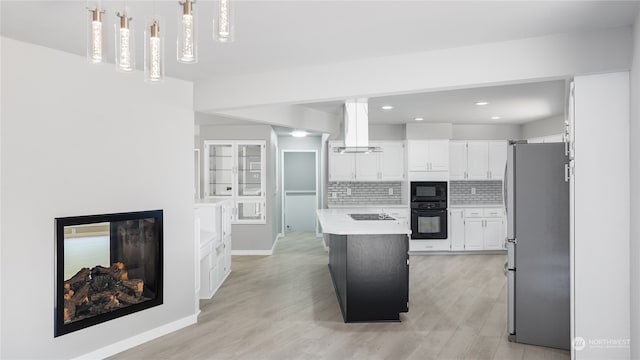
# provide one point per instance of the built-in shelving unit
(235, 170)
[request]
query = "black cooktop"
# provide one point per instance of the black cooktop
(371, 217)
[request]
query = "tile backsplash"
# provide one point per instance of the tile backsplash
(487, 192)
(363, 193)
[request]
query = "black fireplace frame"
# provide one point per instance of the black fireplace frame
(60, 328)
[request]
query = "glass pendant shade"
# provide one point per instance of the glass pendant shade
(95, 36)
(187, 40)
(223, 23)
(153, 52)
(125, 56)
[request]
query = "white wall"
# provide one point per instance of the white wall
(386, 132)
(81, 139)
(486, 132)
(541, 58)
(635, 194)
(544, 127)
(419, 131)
(276, 229)
(248, 237)
(601, 251)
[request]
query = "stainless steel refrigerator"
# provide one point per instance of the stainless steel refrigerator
(537, 203)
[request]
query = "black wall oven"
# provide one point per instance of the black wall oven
(429, 210)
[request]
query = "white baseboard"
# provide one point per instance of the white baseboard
(258, 252)
(139, 339)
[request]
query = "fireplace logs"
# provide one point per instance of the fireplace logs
(99, 290)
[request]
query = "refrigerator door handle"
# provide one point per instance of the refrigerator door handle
(511, 254)
(511, 302)
(505, 269)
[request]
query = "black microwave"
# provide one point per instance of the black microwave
(429, 191)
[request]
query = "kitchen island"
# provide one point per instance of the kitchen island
(368, 263)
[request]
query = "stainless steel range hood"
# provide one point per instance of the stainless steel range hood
(356, 127)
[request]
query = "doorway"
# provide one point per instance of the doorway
(299, 190)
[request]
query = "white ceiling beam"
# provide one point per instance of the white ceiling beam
(531, 59)
(291, 116)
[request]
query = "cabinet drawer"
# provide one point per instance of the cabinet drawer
(473, 213)
(206, 249)
(493, 212)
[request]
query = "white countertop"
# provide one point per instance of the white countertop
(338, 221)
(476, 206)
(209, 201)
(369, 206)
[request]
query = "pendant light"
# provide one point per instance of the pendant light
(125, 57)
(95, 35)
(154, 51)
(223, 26)
(187, 45)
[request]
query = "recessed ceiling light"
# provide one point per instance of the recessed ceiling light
(482, 103)
(495, 118)
(387, 107)
(298, 133)
(418, 119)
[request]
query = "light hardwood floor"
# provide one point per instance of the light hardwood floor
(284, 307)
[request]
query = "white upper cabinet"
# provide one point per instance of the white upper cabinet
(342, 167)
(497, 159)
(458, 160)
(478, 160)
(367, 166)
(392, 159)
(418, 160)
(387, 165)
(428, 155)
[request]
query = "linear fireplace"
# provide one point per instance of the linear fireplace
(107, 266)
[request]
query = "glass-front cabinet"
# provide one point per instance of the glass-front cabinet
(236, 170)
(219, 158)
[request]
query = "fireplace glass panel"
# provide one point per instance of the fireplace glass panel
(108, 266)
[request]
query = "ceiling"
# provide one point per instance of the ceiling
(514, 104)
(272, 35)
(275, 35)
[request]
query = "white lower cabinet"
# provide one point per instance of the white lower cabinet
(493, 234)
(456, 217)
(477, 229)
(473, 234)
(213, 224)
